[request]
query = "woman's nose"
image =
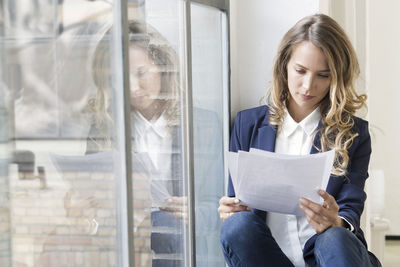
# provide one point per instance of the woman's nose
(134, 83)
(308, 81)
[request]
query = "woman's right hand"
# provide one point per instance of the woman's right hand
(229, 206)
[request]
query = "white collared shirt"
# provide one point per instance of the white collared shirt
(154, 138)
(291, 232)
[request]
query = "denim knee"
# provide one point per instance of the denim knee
(236, 227)
(247, 241)
(334, 236)
(338, 246)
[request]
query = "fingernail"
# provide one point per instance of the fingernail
(236, 200)
(302, 201)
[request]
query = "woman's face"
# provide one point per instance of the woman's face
(145, 82)
(308, 79)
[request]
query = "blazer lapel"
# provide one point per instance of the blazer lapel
(266, 136)
(317, 141)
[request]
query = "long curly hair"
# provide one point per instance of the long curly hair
(141, 35)
(340, 104)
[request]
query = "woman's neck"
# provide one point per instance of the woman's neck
(154, 111)
(298, 114)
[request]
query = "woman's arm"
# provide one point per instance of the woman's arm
(348, 203)
(351, 197)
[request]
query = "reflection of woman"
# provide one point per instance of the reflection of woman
(153, 79)
(312, 102)
(156, 137)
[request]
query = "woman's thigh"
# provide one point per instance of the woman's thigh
(338, 246)
(247, 241)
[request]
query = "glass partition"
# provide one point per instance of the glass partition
(64, 139)
(156, 65)
(62, 204)
(210, 88)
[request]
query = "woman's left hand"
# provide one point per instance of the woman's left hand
(321, 217)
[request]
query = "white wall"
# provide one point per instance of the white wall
(383, 71)
(257, 27)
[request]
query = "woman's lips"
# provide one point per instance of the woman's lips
(138, 96)
(306, 97)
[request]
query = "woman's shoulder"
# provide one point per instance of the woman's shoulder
(360, 126)
(254, 114)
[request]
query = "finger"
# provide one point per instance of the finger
(311, 215)
(177, 200)
(171, 209)
(315, 207)
(225, 215)
(313, 223)
(317, 222)
(321, 222)
(224, 208)
(319, 228)
(239, 208)
(329, 200)
(229, 201)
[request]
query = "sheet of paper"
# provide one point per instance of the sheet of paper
(232, 166)
(99, 162)
(275, 182)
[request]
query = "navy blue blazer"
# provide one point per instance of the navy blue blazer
(252, 129)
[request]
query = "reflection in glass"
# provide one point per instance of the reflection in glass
(61, 209)
(160, 212)
(59, 126)
(5, 234)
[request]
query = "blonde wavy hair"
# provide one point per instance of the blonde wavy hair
(143, 36)
(340, 104)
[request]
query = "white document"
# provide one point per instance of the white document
(275, 182)
(233, 167)
(99, 162)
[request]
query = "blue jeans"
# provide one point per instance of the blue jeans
(167, 243)
(247, 241)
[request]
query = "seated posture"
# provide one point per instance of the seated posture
(310, 108)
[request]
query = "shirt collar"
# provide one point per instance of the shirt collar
(308, 124)
(142, 126)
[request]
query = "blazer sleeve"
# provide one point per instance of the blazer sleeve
(351, 197)
(234, 146)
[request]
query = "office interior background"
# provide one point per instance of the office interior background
(60, 206)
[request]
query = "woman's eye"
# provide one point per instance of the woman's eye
(141, 73)
(300, 71)
(323, 75)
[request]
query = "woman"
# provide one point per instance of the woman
(156, 142)
(311, 107)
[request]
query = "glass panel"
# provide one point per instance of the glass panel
(5, 234)
(209, 68)
(58, 199)
(62, 133)
(156, 81)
